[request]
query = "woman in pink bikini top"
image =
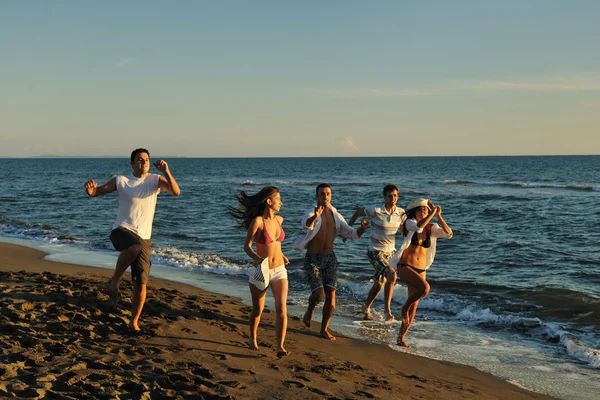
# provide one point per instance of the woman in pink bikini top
(257, 215)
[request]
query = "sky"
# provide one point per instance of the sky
(299, 78)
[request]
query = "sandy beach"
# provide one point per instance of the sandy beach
(62, 338)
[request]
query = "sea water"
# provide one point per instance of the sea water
(514, 293)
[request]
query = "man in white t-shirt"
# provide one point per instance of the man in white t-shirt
(385, 222)
(132, 230)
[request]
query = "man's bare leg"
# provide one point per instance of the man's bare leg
(388, 293)
(375, 289)
(126, 257)
(314, 299)
(328, 309)
(137, 304)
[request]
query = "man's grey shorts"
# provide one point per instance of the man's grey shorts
(122, 239)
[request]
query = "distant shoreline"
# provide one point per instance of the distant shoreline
(79, 157)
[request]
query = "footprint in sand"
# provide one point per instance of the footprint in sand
(294, 383)
(219, 356)
(232, 384)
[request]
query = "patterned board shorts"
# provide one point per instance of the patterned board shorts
(380, 262)
(321, 270)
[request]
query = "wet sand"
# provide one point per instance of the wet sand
(61, 337)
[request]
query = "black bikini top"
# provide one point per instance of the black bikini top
(424, 244)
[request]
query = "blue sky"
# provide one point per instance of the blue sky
(306, 78)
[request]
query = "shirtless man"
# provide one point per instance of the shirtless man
(323, 223)
(137, 193)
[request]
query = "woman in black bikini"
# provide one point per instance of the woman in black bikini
(416, 256)
(257, 214)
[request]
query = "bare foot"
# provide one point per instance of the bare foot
(327, 335)
(388, 316)
(367, 316)
(253, 345)
(113, 292)
(402, 334)
(282, 353)
(306, 319)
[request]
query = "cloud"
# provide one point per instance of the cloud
(124, 61)
(347, 143)
(545, 83)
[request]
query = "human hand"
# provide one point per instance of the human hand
(364, 223)
(258, 261)
(162, 166)
(430, 205)
(438, 210)
(319, 210)
(90, 187)
(285, 260)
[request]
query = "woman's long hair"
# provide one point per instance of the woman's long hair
(410, 214)
(251, 206)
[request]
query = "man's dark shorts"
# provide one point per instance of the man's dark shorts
(321, 270)
(122, 239)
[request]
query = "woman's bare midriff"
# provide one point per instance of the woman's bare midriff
(415, 256)
(272, 251)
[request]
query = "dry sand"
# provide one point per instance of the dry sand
(62, 338)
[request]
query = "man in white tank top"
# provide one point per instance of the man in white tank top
(132, 230)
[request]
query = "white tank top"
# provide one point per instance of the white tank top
(137, 202)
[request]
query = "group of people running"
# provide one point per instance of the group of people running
(137, 195)
(322, 223)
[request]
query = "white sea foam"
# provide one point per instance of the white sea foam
(581, 352)
(206, 262)
(486, 316)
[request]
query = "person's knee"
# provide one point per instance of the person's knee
(425, 290)
(318, 293)
(281, 313)
(135, 250)
(257, 311)
(391, 275)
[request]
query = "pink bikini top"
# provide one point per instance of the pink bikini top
(263, 237)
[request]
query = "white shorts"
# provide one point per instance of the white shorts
(275, 274)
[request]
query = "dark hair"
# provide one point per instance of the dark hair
(322, 186)
(137, 151)
(389, 188)
(410, 214)
(251, 206)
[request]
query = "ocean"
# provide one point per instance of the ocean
(515, 292)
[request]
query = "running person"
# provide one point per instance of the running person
(385, 222)
(322, 224)
(416, 256)
(132, 230)
(257, 215)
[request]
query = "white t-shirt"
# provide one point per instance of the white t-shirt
(137, 202)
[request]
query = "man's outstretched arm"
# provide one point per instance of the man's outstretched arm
(93, 190)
